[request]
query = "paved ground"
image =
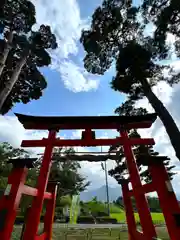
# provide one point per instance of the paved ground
(85, 226)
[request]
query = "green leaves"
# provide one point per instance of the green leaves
(165, 15)
(39, 57)
(128, 109)
(121, 170)
(111, 24)
(22, 51)
(29, 86)
(30, 82)
(43, 38)
(17, 15)
(7, 152)
(67, 173)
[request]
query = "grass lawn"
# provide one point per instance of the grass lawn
(102, 207)
(91, 234)
(115, 209)
(121, 217)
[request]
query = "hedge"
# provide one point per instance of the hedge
(90, 220)
(100, 214)
(85, 219)
(106, 220)
(82, 219)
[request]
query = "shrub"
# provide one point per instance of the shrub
(100, 214)
(106, 220)
(85, 219)
(83, 212)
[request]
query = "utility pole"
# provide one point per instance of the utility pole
(107, 188)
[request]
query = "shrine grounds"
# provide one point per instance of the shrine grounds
(157, 218)
(91, 233)
(66, 232)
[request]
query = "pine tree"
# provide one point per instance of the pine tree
(29, 86)
(121, 172)
(31, 53)
(67, 173)
(117, 37)
(16, 17)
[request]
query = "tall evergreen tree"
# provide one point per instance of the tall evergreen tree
(31, 53)
(16, 17)
(29, 86)
(128, 109)
(121, 171)
(67, 173)
(117, 36)
(165, 15)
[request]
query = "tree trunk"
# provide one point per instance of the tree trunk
(166, 118)
(10, 84)
(6, 52)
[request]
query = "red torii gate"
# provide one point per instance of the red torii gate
(9, 203)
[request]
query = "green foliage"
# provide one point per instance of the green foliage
(30, 86)
(117, 36)
(154, 205)
(165, 15)
(7, 152)
(99, 220)
(119, 202)
(94, 199)
(134, 65)
(67, 174)
(127, 109)
(17, 15)
(111, 24)
(120, 172)
(99, 207)
(22, 82)
(157, 218)
(34, 46)
(63, 201)
(71, 182)
(30, 82)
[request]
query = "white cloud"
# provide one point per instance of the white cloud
(96, 175)
(11, 130)
(170, 97)
(66, 23)
(76, 78)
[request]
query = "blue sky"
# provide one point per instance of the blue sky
(59, 100)
(73, 91)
